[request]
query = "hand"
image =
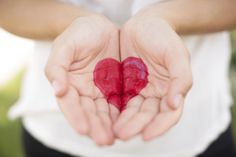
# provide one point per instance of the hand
(159, 105)
(70, 70)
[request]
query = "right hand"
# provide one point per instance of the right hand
(159, 105)
(70, 70)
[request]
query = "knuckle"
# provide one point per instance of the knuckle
(190, 82)
(188, 55)
(177, 120)
(143, 114)
(79, 129)
(147, 113)
(47, 71)
(102, 140)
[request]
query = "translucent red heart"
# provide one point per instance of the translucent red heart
(120, 81)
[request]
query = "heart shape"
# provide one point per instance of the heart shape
(120, 81)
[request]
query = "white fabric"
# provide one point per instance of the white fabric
(206, 113)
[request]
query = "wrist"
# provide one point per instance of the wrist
(70, 14)
(160, 13)
(148, 18)
(97, 21)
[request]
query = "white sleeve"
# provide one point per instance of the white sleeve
(139, 4)
(75, 2)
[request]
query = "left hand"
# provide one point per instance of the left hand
(70, 69)
(159, 105)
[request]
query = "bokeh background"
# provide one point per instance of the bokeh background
(14, 54)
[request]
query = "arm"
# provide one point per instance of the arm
(196, 16)
(44, 19)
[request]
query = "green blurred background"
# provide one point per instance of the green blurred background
(10, 131)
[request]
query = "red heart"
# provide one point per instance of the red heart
(119, 82)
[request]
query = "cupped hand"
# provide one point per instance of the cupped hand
(159, 105)
(70, 70)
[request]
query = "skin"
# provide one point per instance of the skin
(83, 38)
(70, 67)
(148, 35)
(159, 105)
(38, 19)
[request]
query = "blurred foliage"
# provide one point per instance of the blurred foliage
(233, 43)
(233, 79)
(10, 143)
(9, 95)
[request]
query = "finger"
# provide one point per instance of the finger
(131, 109)
(139, 121)
(97, 131)
(57, 67)
(71, 107)
(149, 90)
(180, 77)
(164, 107)
(114, 113)
(85, 85)
(125, 48)
(162, 122)
(113, 46)
(157, 87)
(104, 115)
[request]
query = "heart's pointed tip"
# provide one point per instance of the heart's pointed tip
(115, 100)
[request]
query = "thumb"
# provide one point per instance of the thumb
(57, 67)
(180, 79)
(58, 78)
(177, 92)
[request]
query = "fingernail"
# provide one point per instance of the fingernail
(177, 100)
(56, 86)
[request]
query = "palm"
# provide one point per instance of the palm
(83, 104)
(149, 113)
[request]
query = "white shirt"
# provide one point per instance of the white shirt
(207, 108)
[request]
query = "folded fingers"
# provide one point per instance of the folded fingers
(166, 119)
(148, 110)
(74, 113)
(131, 109)
(97, 124)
